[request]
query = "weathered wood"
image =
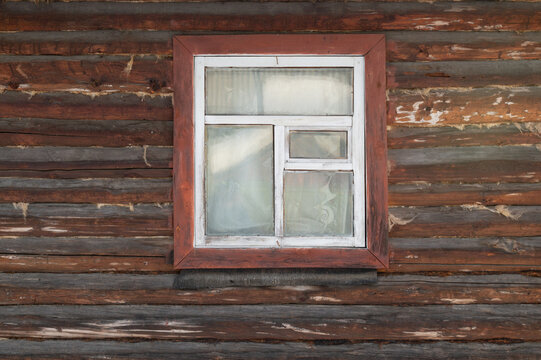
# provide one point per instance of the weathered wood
(95, 289)
(463, 46)
(273, 322)
(464, 73)
(401, 46)
(63, 220)
(70, 106)
(424, 194)
(305, 16)
(44, 132)
(121, 246)
(472, 164)
(86, 73)
(437, 107)
(72, 158)
(78, 264)
(85, 191)
(76, 349)
(89, 173)
(467, 221)
(213, 279)
(464, 135)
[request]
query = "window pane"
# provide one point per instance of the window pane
(318, 144)
(239, 180)
(279, 91)
(318, 203)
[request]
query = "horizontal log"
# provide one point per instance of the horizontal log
(71, 106)
(424, 194)
(170, 350)
(86, 73)
(274, 322)
(438, 107)
(401, 46)
(466, 221)
(463, 73)
(110, 191)
(474, 164)
(119, 246)
(95, 289)
(66, 220)
(241, 16)
(78, 264)
(110, 133)
(89, 173)
(464, 135)
(72, 158)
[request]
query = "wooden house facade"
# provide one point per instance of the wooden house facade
(86, 214)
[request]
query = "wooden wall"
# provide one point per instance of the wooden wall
(85, 187)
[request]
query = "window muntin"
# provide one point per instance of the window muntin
(348, 171)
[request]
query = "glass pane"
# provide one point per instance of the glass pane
(318, 144)
(279, 91)
(318, 203)
(239, 180)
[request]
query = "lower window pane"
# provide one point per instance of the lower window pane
(239, 180)
(318, 203)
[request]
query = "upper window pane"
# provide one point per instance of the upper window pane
(318, 144)
(279, 91)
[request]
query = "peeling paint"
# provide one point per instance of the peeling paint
(23, 207)
(394, 220)
(425, 334)
(145, 147)
(286, 326)
(459, 301)
(129, 66)
(54, 230)
(17, 229)
(325, 298)
(499, 209)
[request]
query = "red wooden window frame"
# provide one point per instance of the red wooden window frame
(372, 47)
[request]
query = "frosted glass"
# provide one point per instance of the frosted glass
(318, 144)
(279, 91)
(239, 180)
(318, 203)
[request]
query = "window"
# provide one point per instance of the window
(280, 154)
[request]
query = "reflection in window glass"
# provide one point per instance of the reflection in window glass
(279, 91)
(318, 203)
(318, 144)
(239, 180)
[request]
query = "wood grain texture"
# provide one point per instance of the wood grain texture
(69, 106)
(170, 350)
(304, 16)
(111, 191)
(413, 290)
(438, 107)
(285, 322)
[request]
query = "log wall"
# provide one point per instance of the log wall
(85, 187)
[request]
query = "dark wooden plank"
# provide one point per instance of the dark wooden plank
(463, 73)
(472, 164)
(462, 46)
(83, 264)
(72, 158)
(85, 191)
(72, 106)
(437, 107)
(110, 133)
(467, 221)
(424, 194)
(274, 322)
(120, 246)
(89, 173)
(464, 135)
(77, 349)
(95, 289)
(86, 73)
(401, 46)
(64, 220)
(305, 16)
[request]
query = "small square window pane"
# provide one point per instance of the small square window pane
(318, 144)
(318, 203)
(279, 91)
(239, 180)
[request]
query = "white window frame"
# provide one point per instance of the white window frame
(354, 125)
